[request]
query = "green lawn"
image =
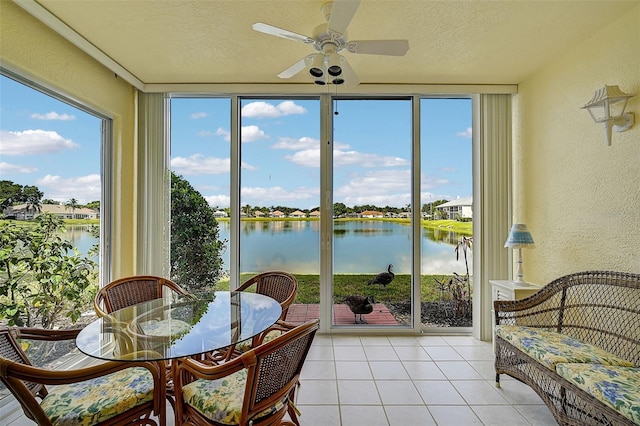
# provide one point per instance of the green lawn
(398, 291)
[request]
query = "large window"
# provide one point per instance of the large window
(372, 242)
(51, 195)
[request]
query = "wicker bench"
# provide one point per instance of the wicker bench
(576, 343)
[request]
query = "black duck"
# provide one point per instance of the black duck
(383, 278)
(359, 305)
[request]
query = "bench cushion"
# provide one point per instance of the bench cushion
(551, 348)
(617, 387)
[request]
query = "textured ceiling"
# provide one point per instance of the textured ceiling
(450, 42)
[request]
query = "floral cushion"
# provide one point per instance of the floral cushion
(221, 400)
(551, 348)
(617, 387)
(96, 400)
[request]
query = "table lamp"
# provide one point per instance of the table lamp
(519, 237)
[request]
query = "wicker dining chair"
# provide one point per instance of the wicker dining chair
(109, 393)
(132, 290)
(280, 286)
(258, 387)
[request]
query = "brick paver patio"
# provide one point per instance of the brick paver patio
(342, 315)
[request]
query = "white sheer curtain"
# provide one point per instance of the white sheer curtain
(153, 186)
(492, 211)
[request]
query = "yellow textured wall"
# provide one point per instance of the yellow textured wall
(32, 49)
(579, 197)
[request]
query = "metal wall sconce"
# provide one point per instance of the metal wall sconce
(607, 107)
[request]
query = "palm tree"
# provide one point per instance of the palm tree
(73, 205)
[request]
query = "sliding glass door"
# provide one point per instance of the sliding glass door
(369, 164)
(372, 244)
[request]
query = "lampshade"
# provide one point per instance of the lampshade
(519, 236)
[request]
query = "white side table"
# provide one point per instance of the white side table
(509, 290)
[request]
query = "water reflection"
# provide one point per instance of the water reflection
(295, 246)
(81, 238)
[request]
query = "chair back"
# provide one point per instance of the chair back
(279, 285)
(129, 291)
(11, 353)
(27, 384)
(277, 367)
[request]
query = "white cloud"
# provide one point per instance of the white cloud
(224, 133)
(291, 108)
(205, 133)
(277, 195)
(346, 158)
(380, 187)
(247, 134)
(252, 134)
(198, 115)
(30, 142)
(198, 164)
(432, 182)
(82, 188)
(16, 168)
(466, 134)
(311, 158)
(304, 142)
(306, 158)
(261, 109)
(221, 201)
(53, 116)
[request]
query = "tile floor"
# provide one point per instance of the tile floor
(406, 381)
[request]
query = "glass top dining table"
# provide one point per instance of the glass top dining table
(170, 328)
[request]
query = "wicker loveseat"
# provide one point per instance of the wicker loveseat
(576, 342)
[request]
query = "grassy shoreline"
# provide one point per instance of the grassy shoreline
(465, 228)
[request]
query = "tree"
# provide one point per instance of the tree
(32, 196)
(43, 276)
(196, 262)
(339, 209)
(93, 205)
(73, 205)
(10, 194)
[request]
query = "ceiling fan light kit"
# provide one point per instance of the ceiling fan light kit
(329, 40)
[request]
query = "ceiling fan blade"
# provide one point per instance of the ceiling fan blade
(279, 32)
(295, 68)
(342, 12)
(349, 76)
(379, 47)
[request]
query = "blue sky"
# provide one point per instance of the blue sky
(52, 145)
(49, 144)
(281, 150)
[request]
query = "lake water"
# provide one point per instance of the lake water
(364, 246)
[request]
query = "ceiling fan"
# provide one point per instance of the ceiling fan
(329, 39)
